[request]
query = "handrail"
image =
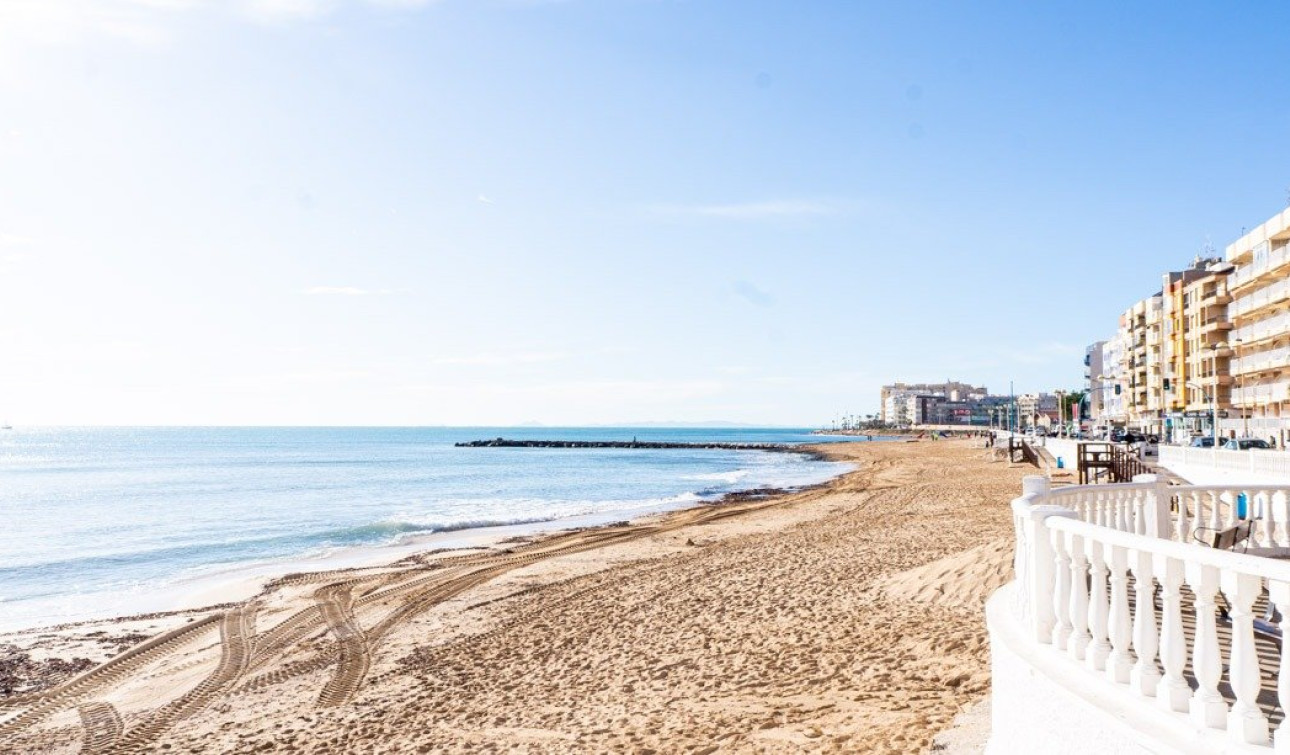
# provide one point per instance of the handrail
(1267, 568)
(1109, 593)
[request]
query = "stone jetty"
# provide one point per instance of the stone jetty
(507, 443)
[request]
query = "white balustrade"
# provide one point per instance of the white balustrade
(1261, 394)
(1261, 298)
(1105, 574)
(1246, 273)
(1265, 328)
(1271, 359)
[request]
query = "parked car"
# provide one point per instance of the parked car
(1242, 444)
(1202, 441)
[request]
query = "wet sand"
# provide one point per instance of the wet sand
(843, 618)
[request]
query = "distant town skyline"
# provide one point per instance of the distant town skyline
(391, 212)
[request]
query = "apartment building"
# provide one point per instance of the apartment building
(1112, 383)
(1094, 374)
(1037, 410)
(1167, 367)
(1204, 382)
(898, 401)
(1260, 312)
(1194, 377)
(1140, 331)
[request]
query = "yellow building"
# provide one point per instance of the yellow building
(1174, 359)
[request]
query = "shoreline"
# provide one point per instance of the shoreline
(223, 585)
(818, 553)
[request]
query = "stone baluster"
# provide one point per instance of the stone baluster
(1246, 722)
(1207, 706)
(1230, 519)
(1119, 622)
(1279, 594)
(1020, 563)
(1277, 507)
(1172, 692)
(1035, 578)
(1140, 513)
(1215, 503)
(1146, 674)
(1123, 512)
(1079, 637)
(1061, 590)
(1182, 527)
(1263, 513)
(1098, 648)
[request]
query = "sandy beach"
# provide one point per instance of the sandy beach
(842, 618)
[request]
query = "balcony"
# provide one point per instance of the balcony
(1272, 327)
(1216, 296)
(1273, 359)
(1264, 297)
(1246, 274)
(1257, 395)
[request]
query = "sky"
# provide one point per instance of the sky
(491, 212)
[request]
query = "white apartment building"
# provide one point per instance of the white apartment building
(1093, 376)
(1260, 311)
(1112, 382)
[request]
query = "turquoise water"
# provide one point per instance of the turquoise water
(96, 520)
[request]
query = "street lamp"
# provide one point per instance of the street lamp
(1245, 419)
(1213, 396)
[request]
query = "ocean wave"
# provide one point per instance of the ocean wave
(729, 478)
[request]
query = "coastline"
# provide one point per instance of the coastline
(528, 568)
(252, 528)
(222, 587)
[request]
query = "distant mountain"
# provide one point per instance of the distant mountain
(700, 424)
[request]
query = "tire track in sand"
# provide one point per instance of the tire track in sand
(336, 604)
(237, 632)
(44, 704)
(102, 725)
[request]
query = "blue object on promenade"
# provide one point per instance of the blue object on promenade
(1240, 505)
(1060, 464)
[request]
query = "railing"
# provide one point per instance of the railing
(1268, 393)
(1110, 596)
(1261, 298)
(1183, 513)
(1258, 461)
(1263, 360)
(1247, 273)
(1257, 331)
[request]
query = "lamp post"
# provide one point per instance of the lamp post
(1245, 419)
(1213, 396)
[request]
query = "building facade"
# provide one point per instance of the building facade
(1260, 312)
(1094, 373)
(900, 403)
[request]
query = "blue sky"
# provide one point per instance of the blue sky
(601, 211)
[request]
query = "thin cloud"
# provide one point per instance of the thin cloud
(484, 200)
(496, 359)
(345, 291)
(149, 22)
(768, 210)
(753, 295)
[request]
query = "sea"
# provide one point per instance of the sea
(100, 522)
